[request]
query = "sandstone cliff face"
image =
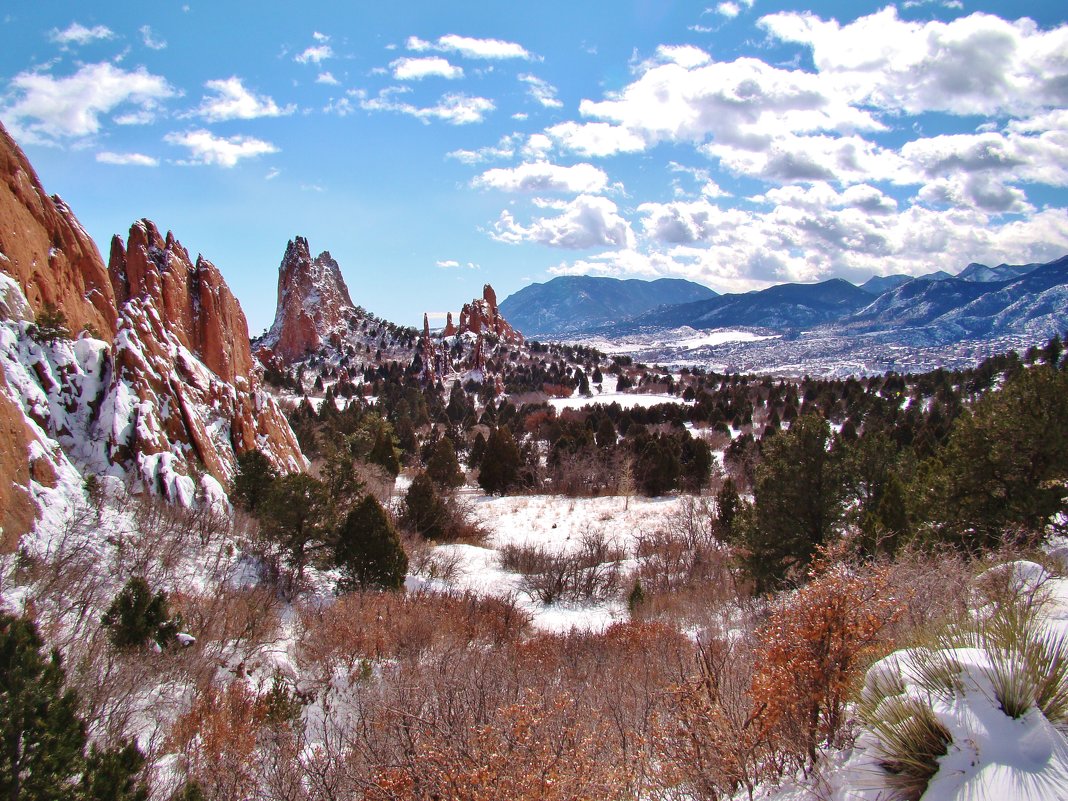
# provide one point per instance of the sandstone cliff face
(314, 307)
(164, 393)
(44, 248)
(183, 368)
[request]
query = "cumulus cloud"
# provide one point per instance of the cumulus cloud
(232, 101)
(46, 108)
(127, 159)
(978, 64)
(541, 176)
(541, 90)
(206, 148)
(409, 69)
(454, 108)
(316, 53)
(588, 221)
(596, 139)
(452, 264)
(504, 149)
(470, 47)
(815, 232)
(77, 34)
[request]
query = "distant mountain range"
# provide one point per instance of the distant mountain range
(977, 303)
(574, 304)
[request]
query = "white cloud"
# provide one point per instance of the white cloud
(451, 264)
(317, 53)
(470, 47)
(728, 9)
(504, 149)
(150, 40)
(588, 221)
(327, 78)
(47, 108)
(409, 69)
(542, 91)
(206, 148)
(541, 176)
(811, 233)
(127, 159)
(686, 56)
(455, 109)
(979, 64)
(78, 34)
(232, 101)
(596, 138)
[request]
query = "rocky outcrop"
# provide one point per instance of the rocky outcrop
(160, 389)
(198, 306)
(183, 389)
(483, 317)
(48, 253)
(314, 307)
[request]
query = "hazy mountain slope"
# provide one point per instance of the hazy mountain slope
(569, 304)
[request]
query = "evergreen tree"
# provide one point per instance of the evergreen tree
(295, 514)
(1000, 475)
(657, 466)
(426, 512)
(253, 480)
(727, 506)
(478, 450)
(42, 738)
(442, 466)
(368, 550)
(137, 616)
(111, 775)
(606, 433)
(796, 503)
(383, 453)
(50, 325)
(499, 467)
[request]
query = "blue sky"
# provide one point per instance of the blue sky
(432, 147)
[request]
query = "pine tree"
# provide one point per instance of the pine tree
(796, 503)
(426, 512)
(1000, 475)
(295, 514)
(442, 466)
(368, 550)
(499, 467)
(727, 504)
(42, 738)
(383, 453)
(137, 616)
(50, 325)
(253, 480)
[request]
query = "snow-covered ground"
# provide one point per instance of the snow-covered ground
(559, 524)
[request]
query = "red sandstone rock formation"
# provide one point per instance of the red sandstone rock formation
(172, 390)
(46, 250)
(177, 319)
(482, 317)
(314, 307)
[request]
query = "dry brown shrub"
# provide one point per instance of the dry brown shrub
(364, 626)
(811, 651)
(709, 745)
(589, 572)
(540, 747)
(245, 617)
(218, 739)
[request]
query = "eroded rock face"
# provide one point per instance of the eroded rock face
(314, 307)
(183, 389)
(46, 250)
(16, 503)
(198, 306)
(483, 317)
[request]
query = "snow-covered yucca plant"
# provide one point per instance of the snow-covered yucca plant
(910, 740)
(1028, 662)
